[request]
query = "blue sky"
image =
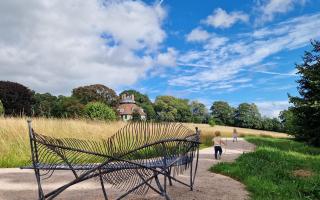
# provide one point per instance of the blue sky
(208, 50)
(266, 81)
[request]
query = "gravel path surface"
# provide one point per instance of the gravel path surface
(16, 184)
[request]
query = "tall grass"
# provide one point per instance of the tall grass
(14, 141)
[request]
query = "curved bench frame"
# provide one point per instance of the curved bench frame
(172, 157)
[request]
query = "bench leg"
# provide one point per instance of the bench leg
(169, 177)
(191, 174)
(102, 186)
(163, 192)
(40, 191)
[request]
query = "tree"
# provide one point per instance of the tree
(44, 104)
(287, 121)
(68, 107)
(143, 101)
(169, 108)
(97, 92)
(99, 111)
(248, 116)
(1, 109)
(306, 107)
(16, 98)
(199, 112)
(271, 124)
(222, 113)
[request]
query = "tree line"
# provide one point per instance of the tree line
(97, 101)
(101, 102)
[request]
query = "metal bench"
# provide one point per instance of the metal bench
(130, 160)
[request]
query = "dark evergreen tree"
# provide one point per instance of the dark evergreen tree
(306, 107)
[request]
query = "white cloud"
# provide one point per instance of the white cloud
(198, 35)
(221, 19)
(57, 45)
(167, 59)
(272, 108)
(227, 61)
(270, 8)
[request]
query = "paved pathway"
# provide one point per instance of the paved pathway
(16, 184)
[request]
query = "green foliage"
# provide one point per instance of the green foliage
(44, 104)
(287, 121)
(68, 107)
(99, 111)
(136, 115)
(306, 108)
(268, 172)
(271, 124)
(199, 112)
(16, 98)
(1, 109)
(223, 113)
(144, 102)
(96, 93)
(248, 116)
(170, 108)
(212, 122)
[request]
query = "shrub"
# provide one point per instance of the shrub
(1, 109)
(99, 111)
(212, 122)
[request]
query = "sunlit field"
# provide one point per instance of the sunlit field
(14, 141)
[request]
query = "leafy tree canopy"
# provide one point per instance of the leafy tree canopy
(44, 104)
(248, 116)
(222, 113)
(16, 98)
(170, 108)
(306, 107)
(68, 107)
(97, 92)
(199, 112)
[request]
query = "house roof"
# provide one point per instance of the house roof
(128, 108)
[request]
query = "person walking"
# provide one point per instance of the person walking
(235, 135)
(217, 142)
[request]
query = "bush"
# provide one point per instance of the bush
(99, 111)
(212, 122)
(1, 109)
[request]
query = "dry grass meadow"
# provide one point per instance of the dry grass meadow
(14, 143)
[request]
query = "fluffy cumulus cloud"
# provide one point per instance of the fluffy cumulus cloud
(198, 35)
(272, 108)
(221, 19)
(57, 45)
(270, 8)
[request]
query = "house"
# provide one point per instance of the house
(128, 106)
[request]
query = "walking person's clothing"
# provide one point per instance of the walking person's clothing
(235, 137)
(217, 146)
(217, 150)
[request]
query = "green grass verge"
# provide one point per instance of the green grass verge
(271, 171)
